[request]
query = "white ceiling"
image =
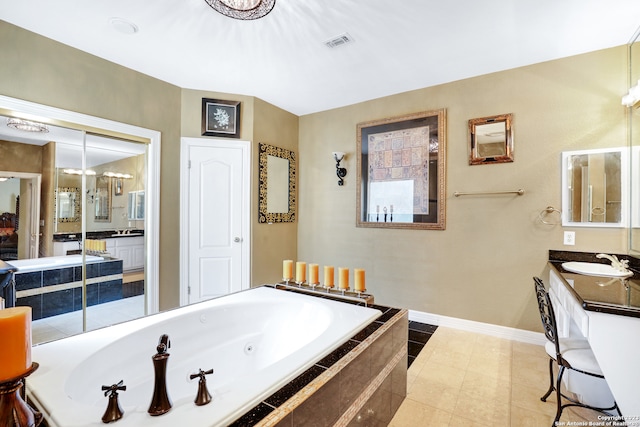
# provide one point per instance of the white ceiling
(400, 45)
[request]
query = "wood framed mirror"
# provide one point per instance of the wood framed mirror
(277, 194)
(401, 172)
(491, 140)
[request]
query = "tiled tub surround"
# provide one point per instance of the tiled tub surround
(53, 291)
(363, 382)
(286, 332)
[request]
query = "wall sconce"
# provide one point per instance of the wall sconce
(341, 172)
(632, 97)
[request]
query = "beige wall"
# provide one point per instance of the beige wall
(40, 70)
(480, 267)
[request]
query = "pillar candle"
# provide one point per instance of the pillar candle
(301, 271)
(287, 269)
(358, 278)
(343, 278)
(15, 332)
(328, 276)
(313, 274)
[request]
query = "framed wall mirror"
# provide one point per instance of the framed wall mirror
(103, 199)
(67, 204)
(277, 193)
(401, 172)
(491, 140)
(594, 187)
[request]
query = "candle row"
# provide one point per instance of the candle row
(329, 272)
(95, 245)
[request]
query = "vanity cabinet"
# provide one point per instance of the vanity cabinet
(129, 249)
(607, 312)
(61, 248)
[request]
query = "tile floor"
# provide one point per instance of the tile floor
(466, 379)
(98, 316)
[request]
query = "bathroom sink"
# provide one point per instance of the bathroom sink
(594, 269)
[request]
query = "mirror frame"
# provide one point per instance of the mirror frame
(76, 208)
(474, 124)
(265, 217)
(624, 188)
(103, 183)
(47, 114)
(435, 143)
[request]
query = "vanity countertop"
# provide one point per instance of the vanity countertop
(611, 295)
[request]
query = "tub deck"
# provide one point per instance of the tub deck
(72, 370)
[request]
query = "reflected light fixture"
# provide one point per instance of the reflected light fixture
(117, 175)
(244, 10)
(341, 172)
(632, 97)
(26, 125)
(70, 171)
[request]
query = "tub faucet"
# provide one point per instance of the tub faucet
(160, 402)
(620, 265)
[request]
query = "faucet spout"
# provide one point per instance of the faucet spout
(160, 402)
(620, 265)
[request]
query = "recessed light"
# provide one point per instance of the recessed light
(123, 26)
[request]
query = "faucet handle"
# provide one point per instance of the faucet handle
(203, 397)
(113, 412)
(114, 388)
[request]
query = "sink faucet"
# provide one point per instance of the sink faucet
(160, 403)
(620, 265)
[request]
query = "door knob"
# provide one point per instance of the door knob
(237, 240)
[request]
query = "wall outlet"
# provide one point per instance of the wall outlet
(569, 237)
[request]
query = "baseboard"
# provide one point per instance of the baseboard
(513, 334)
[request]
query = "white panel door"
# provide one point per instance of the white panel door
(216, 228)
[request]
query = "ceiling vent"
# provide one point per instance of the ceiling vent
(340, 40)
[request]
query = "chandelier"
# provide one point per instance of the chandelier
(242, 9)
(26, 125)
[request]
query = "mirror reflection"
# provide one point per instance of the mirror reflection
(67, 204)
(594, 188)
(66, 196)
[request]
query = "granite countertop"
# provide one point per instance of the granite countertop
(598, 293)
(109, 234)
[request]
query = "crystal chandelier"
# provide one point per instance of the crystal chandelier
(242, 9)
(26, 125)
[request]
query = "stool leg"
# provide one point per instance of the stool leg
(559, 395)
(544, 398)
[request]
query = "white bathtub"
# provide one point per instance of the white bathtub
(256, 341)
(45, 263)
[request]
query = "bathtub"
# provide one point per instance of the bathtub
(256, 341)
(45, 263)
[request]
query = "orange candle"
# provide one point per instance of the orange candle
(313, 274)
(301, 271)
(287, 269)
(15, 330)
(328, 276)
(343, 278)
(358, 278)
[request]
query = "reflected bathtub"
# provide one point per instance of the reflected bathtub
(256, 341)
(47, 263)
